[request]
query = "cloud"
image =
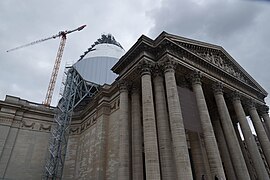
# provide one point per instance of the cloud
(241, 27)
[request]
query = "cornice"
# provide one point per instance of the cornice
(143, 41)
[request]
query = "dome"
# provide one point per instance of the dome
(96, 63)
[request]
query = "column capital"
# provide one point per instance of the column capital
(123, 85)
(196, 77)
(134, 89)
(264, 109)
(168, 65)
(250, 104)
(145, 67)
(218, 88)
(157, 70)
(236, 96)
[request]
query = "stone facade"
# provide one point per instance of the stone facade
(24, 136)
(172, 113)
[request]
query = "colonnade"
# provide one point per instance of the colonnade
(159, 137)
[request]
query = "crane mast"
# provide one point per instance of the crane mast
(56, 67)
(63, 35)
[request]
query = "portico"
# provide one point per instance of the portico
(192, 91)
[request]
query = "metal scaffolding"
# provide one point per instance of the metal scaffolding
(76, 90)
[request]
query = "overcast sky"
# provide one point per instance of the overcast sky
(242, 27)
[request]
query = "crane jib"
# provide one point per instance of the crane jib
(60, 51)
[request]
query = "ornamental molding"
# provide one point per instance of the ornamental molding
(145, 67)
(115, 105)
(217, 88)
(28, 125)
(86, 124)
(217, 57)
(196, 77)
(5, 121)
(35, 126)
(264, 109)
(224, 64)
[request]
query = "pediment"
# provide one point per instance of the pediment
(218, 57)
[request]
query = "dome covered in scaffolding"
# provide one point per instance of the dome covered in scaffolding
(96, 63)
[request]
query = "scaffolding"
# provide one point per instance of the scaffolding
(76, 89)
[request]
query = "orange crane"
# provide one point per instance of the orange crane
(63, 35)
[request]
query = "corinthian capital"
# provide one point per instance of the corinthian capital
(169, 66)
(250, 104)
(145, 67)
(157, 70)
(123, 85)
(264, 109)
(135, 88)
(218, 88)
(196, 77)
(236, 96)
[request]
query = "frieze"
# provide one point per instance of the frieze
(74, 130)
(115, 105)
(45, 127)
(36, 126)
(25, 124)
(223, 64)
(5, 121)
(84, 126)
(215, 59)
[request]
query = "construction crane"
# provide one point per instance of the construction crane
(63, 35)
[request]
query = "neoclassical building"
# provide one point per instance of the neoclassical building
(174, 112)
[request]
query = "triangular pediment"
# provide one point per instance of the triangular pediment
(218, 57)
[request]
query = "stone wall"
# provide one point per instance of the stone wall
(24, 135)
(93, 144)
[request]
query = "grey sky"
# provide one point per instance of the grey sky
(241, 27)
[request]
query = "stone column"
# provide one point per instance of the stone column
(180, 149)
(266, 117)
(209, 136)
(205, 158)
(250, 166)
(137, 159)
(262, 136)
(124, 159)
(249, 139)
(197, 156)
(149, 126)
(164, 137)
(224, 152)
(230, 135)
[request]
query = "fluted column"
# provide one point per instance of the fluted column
(249, 164)
(197, 156)
(149, 126)
(224, 152)
(249, 139)
(209, 136)
(137, 158)
(262, 136)
(124, 159)
(164, 136)
(180, 149)
(230, 135)
(266, 117)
